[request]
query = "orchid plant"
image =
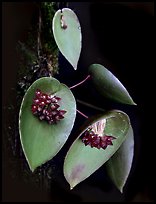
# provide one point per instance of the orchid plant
(48, 111)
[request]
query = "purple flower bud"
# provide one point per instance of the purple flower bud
(57, 118)
(54, 106)
(42, 103)
(34, 108)
(61, 116)
(55, 112)
(38, 93)
(95, 140)
(39, 109)
(48, 101)
(57, 98)
(36, 101)
(54, 100)
(47, 118)
(62, 112)
(50, 122)
(44, 111)
(41, 117)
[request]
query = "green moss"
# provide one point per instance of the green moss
(47, 12)
(32, 60)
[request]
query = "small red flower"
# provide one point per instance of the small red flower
(45, 107)
(34, 108)
(95, 140)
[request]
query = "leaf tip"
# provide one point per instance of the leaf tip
(129, 101)
(121, 190)
(32, 166)
(132, 102)
(72, 186)
(75, 67)
(32, 169)
(74, 64)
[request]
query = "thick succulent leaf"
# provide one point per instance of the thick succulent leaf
(108, 85)
(68, 39)
(41, 141)
(81, 161)
(119, 165)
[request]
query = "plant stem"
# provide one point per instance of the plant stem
(39, 45)
(80, 82)
(90, 105)
(82, 114)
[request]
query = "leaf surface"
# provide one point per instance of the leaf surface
(40, 140)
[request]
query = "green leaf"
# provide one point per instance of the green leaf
(120, 163)
(108, 85)
(68, 39)
(41, 141)
(81, 161)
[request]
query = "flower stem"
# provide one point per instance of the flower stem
(82, 114)
(80, 82)
(90, 105)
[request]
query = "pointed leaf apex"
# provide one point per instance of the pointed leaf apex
(119, 165)
(121, 190)
(81, 160)
(40, 146)
(108, 85)
(32, 169)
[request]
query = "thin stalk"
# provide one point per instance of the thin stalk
(82, 114)
(80, 82)
(39, 45)
(90, 105)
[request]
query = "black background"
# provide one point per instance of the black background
(121, 37)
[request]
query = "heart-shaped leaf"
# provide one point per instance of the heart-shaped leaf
(81, 161)
(119, 165)
(42, 141)
(67, 34)
(108, 85)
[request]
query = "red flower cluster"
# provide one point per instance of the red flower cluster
(45, 107)
(92, 139)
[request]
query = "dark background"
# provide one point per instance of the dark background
(121, 37)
